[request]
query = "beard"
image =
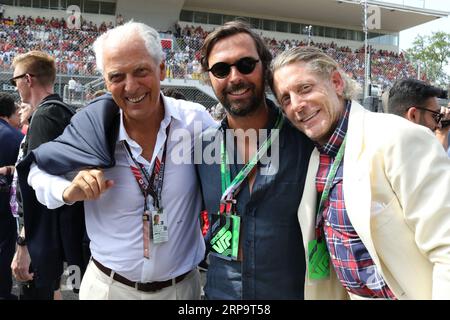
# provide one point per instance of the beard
(242, 107)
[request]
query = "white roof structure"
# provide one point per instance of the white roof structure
(162, 14)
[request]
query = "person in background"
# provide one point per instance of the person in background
(25, 113)
(417, 101)
(448, 136)
(72, 84)
(49, 237)
(10, 139)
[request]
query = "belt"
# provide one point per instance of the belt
(146, 287)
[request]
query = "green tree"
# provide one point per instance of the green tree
(432, 54)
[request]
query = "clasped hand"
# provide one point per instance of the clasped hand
(87, 185)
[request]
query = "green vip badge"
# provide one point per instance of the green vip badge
(318, 260)
(225, 236)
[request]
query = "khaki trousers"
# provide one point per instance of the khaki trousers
(96, 285)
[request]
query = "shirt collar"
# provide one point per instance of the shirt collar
(53, 96)
(171, 108)
(331, 148)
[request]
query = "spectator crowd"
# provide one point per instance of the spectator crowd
(73, 53)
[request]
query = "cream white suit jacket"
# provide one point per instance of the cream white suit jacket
(397, 195)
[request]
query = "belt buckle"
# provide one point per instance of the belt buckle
(140, 286)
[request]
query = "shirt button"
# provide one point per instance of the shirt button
(333, 257)
(327, 223)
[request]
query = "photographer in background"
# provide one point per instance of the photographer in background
(447, 123)
(443, 133)
(417, 102)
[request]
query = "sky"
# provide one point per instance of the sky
(407, 36)
(443, 24)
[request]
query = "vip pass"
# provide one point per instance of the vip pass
(154, 221)
(223, 242)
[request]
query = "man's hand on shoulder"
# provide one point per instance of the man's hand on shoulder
(87, 185)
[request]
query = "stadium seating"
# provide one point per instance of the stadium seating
(74, 56)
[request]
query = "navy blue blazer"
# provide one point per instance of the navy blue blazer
(10, 139)
(88, 141)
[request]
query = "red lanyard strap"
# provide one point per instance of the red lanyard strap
(150, 184)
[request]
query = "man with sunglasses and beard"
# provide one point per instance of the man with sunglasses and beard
(417, 102)
(251, 199)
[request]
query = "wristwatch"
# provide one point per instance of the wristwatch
(21, 241)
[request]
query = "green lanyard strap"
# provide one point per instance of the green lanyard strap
(328, 185)
(229, 188)
(224, 169)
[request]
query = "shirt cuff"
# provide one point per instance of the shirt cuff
(61, 185)
(48, 188)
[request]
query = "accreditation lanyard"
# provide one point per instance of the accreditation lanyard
(225, 225)
(231, 189)
(319, 259)
(150, 185)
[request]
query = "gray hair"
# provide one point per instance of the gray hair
(319, 63)
(148, 34)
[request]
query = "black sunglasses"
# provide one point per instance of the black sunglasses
(12, 81)
(437, 116)
(245, 65)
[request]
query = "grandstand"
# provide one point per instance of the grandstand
(333, 25)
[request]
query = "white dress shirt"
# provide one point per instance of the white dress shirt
(114, 221)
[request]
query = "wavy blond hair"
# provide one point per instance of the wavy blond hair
(318, 62)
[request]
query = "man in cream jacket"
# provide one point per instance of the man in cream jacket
(375, 212)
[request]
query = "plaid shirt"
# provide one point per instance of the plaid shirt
(351, 260)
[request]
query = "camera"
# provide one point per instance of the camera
(445, 123)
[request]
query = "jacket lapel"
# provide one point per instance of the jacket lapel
(307, 209)
(328, 288)
(357, 184)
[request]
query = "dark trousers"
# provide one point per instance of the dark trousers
(28, 291)
(8, 236)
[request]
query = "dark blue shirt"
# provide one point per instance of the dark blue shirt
(10, 139)
(273, 264)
